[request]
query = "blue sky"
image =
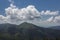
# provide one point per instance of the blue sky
(39, 12)
(39, 4)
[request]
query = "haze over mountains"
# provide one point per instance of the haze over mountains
(55, 27)
(27, 31)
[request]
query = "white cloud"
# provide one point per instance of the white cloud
(50, 19)
(3, 19)
(57, 19)
(11, 1)
(15, 15)
(48, 12)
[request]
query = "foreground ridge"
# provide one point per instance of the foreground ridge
(27, 31)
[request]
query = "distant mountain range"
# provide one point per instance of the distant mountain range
(55, 27)
(27, 31)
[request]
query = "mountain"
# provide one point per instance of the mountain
(4, 27)
(55, 27)
(27, 31)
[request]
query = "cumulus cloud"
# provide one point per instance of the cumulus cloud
(3, 19)
(48, 12)
(28, 13)
(15, 15)
(11, 1)
(57, 19)
(50, 19)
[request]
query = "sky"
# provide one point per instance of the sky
(39, 12)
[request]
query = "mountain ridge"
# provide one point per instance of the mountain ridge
(55, 27)
(28, 31)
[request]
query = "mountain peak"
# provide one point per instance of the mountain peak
(26, 25)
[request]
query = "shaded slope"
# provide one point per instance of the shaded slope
(55, 27)
(27, 31)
